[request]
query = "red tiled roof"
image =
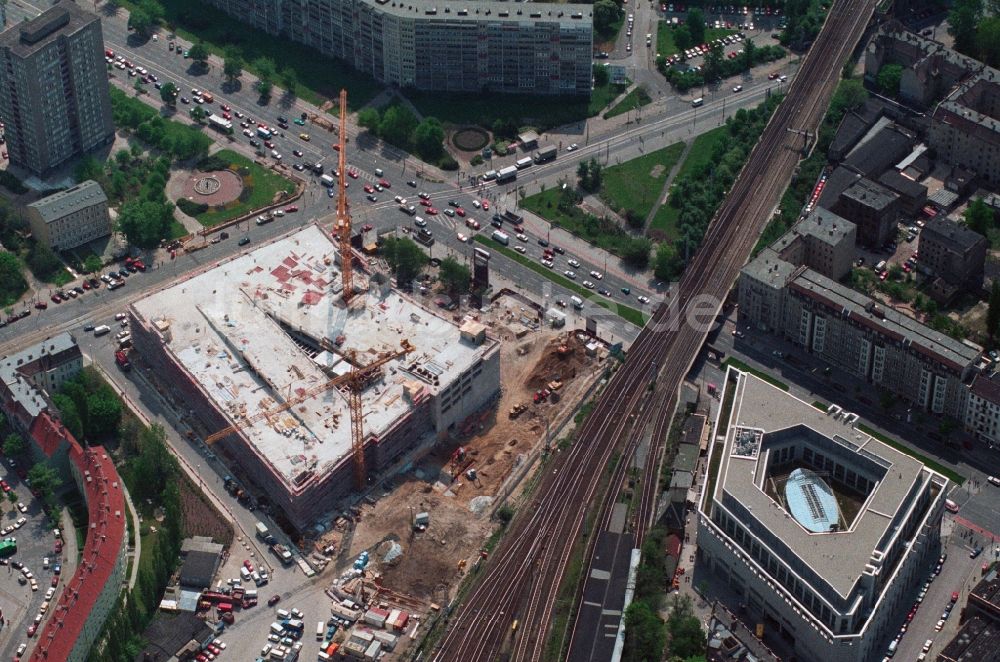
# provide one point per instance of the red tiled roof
(105, 538)
(46, 434)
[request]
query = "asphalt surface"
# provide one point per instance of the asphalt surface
(35, 541)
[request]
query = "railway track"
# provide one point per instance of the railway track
(523, 579)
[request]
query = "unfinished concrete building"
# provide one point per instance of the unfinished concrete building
(269, 326)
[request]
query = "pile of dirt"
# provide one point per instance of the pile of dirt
(560, 359)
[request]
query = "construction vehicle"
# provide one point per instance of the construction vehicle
(356, 380)
(282, 553)
(517, 410)
(554, 385)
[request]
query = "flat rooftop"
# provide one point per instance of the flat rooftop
(229, 327)
(838, 557)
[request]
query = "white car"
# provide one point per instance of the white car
(248, 133)
(642, 299)
(588, 284)
(522, 237)
(993, 480)
(475, 203)
(462, 238)
(548, 263)
(572, 147)
(279, 212)
(21, 521)
(45, 563)
(521, 249)
(597, 274)
(50, 592)
(570, 274)
(573, 263)
(927, 645)
(738, 88)
(939, 626)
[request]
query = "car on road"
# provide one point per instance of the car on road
(522, 237)
(597, 274)
(570, 274)
(244, 241)
(993, 480)
(588, 285)
(939, 626)
(452, 203)
(291, 209)
(460, 211)
(273, 600)
(486, 205)
(521, 249)
(297, 152)
(372, 198)
(4, 486)
(304, 136)
(573, 263)
(352, 173)
(738, 88)
(449, 212)
(419, 222)
(642, 299)
(462, 238)
(432, 211)
(543, 242)
(548, 263)
(20, 506)
(475, 203)
(572, 147)
(248, 133)
(605, 292)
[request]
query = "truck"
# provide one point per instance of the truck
(264, 132)
(121, 358)
(282, 553)
(220, 124)
(501, 237)
(511, 217)
(207, 97)
(521, 164)
(327, 180)
(507, 174)
(317, 168)
(263, 533)
(546, 154)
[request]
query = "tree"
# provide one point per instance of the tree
(682, 38)
(636, 252)
(168, 94)
(455, 276)
(589, 175)
(713, 62)
(601, 76)
(606, 13)
(232, 65)
(428, 139)
(198, 114)
(979, 217)
(962, 21)
(368, 118)
(14, 445)
(43, 261)
(668, 265)
(265, 69)
(141, 21)
(645, 636)
(12, 497)
(850, 95)
(749, 53)
(44, 479)
(993, 312)
(696, 26)
(264, 88)
(145, 222)
(68, 414)
(405, 258)
(988, 41)
(199, 54)
(289, 79)
(687, 639)
(104, 411)
(397, 125)
(12, 283)
(888, 79)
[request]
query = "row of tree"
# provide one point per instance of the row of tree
(88, 407)
(399, 126)
(407, 260)
(976, 29)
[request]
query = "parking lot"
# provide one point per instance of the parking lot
(25, 590)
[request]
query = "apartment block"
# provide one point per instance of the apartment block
(54, 97)
(873, 208)
(955, 255)
(476, 46)
(965, 127)
(70, 218)
(846, 329)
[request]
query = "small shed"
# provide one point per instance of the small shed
(528, 140)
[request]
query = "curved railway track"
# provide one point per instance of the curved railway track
(522, 580)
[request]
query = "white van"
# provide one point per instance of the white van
(577, 302)
(378, 172)
(101, 330)
(697, 102)
(320, 630)
(245, 574)
(880, 267)
(283, 614)
(277, 628)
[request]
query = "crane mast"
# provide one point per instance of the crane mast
(343, 215)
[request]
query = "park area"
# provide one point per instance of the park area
(664, 224)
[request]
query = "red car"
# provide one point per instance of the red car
(460, 211)
(772, 76)
(55, 580)
(31, 629)
(55, 299)
(226, 116)
(273, 600)
(425, 203)
(336, 147)
(432, 211)
(352, 173)
(486, 205)
(248, 565)
(41, 305)
(291, 210)
(85, 285)
(385, 183)
(369, 188)
(4, 486)
(268, 144)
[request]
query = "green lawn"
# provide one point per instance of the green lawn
(743, 367)
(541, 112)
(636, 184)
(625, 312)
(319, 77)
(260, 186)
(603, 234)
(665, 45)
(665, 220)
(952, 475)
(634, 99)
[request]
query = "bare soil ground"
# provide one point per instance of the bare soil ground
(200, 517)
(429, 568)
